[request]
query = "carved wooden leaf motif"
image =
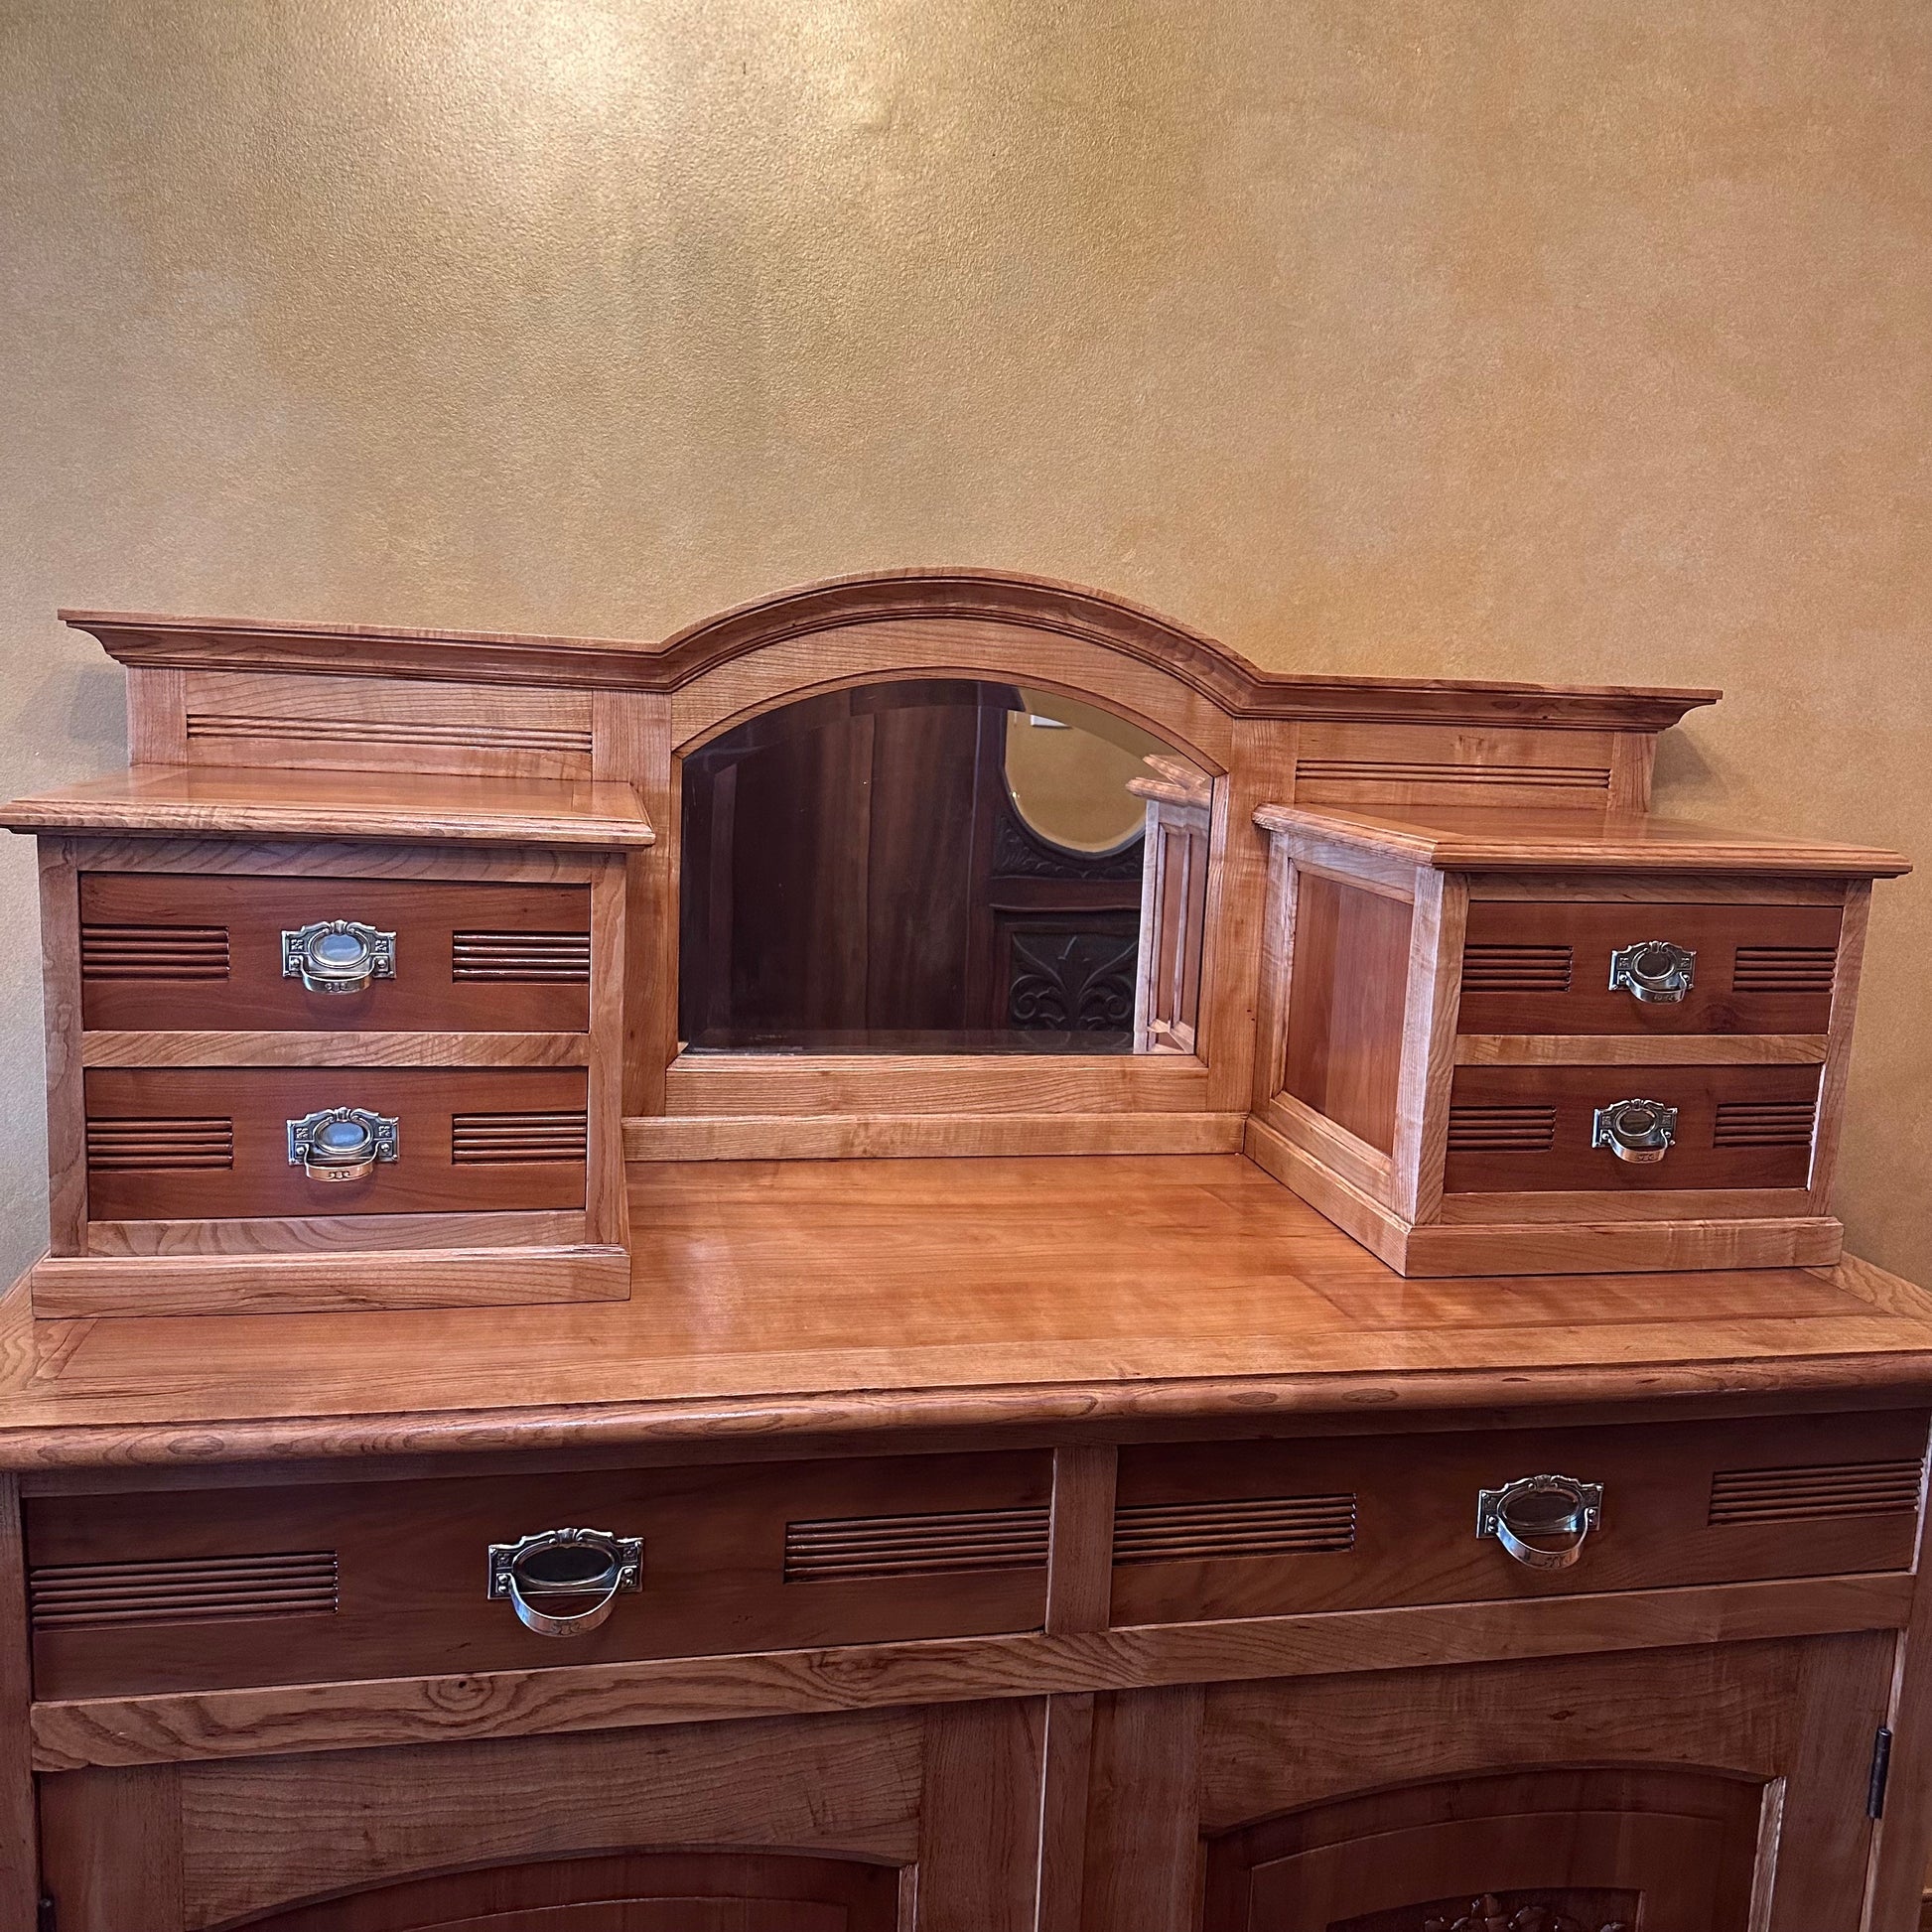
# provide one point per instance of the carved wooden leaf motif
(1490, 1914)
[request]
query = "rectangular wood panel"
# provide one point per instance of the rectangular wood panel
(1402, 1512)
(204, 953)
(750, 1557)
(1543, 966)
(1348, 980)
(1528, 1129)
(212, 1143)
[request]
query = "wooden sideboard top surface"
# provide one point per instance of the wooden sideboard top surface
(817, 1299)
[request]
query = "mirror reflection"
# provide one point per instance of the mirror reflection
(945, 866)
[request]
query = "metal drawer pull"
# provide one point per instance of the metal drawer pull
(566, 1563)
(1643, 1131)
(1654, 971)
(337, 956)
(341, 1143)
(1545, 1507)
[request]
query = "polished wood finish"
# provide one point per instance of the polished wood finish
(716, 1892)
(768, 1557)
(194, 1143)
(1066, 1537)
(1342, 1055)
(1267, 1529)
(1502, 1037)
(481, 956)
(191, 802)
(1760, 969)
(19, 1886)
(1002, 601)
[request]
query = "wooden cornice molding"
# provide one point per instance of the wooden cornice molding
(964, 597)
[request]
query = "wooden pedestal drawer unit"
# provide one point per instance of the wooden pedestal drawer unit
(1265, 1529)
(1558, 1042)
(332, 1075)
(184, 1590)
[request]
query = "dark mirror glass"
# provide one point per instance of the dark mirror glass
(942, 864)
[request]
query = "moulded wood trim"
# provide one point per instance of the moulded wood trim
(68, 1287)
(336, 859)
(1695, 889)
(719, 1084)
(1381, 1231)
(991, 597)
(19, 1889)
(435, 808)
(1640, 1049)
(340, 1233)
(1558, 841)
(846, 1137)
(320, 1049)
(1624, 1247)
(1356, 1160)
(1586, 1205)
(70, 1735)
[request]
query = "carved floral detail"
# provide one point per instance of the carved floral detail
(1071, 982)
(1490, 1914)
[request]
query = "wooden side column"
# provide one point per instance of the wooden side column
(18, 1852)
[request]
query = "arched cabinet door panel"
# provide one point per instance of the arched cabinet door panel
(1542, 1795)
(636, 1892)
(1547, 1852)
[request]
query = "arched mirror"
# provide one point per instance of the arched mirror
(941, 866)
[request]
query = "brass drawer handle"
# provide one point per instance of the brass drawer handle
(337, 955)
(1643, 1131)
(1545, 1507)
(1654, 971)
(564, 1563)
(343, 1143)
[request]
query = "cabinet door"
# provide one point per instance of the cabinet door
(1717, 1790)
(873, 1822)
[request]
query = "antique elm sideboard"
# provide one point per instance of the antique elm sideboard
(688, 1292)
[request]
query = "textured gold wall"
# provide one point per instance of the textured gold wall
(1552, 339)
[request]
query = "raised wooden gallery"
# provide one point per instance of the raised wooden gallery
(935, 1260)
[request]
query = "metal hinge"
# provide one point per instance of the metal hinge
(1875, 1795)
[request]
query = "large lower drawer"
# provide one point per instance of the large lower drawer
(212, 1143)
(205, 1588)
(1530, 1128)
(1543, 966)
(1261, 1529)
(175, 951)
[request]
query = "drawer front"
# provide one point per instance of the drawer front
(1529, 1129)
(1265, 1529)
(191, 1143)
(1544, 967)
(207, 1588)
(168, 950)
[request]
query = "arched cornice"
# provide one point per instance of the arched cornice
(975, 597)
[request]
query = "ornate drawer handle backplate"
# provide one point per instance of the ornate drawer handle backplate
(1559, 1511)
(338, 1144)
(337, 955)
(1643, 1131)
(564, 1563)
(1654, 971)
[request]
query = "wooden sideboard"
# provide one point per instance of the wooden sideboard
(630, 1508)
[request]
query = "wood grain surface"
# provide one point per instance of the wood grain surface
(820, 1297)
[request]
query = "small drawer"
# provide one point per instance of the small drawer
(1534, 1129)
(1533, 966)
(174, 951)
(1265, 1529)
(206, 1588)
(192, 1143)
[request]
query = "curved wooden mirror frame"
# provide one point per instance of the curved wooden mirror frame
(1082, 646)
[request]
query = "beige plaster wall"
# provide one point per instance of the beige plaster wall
(1556, 338)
